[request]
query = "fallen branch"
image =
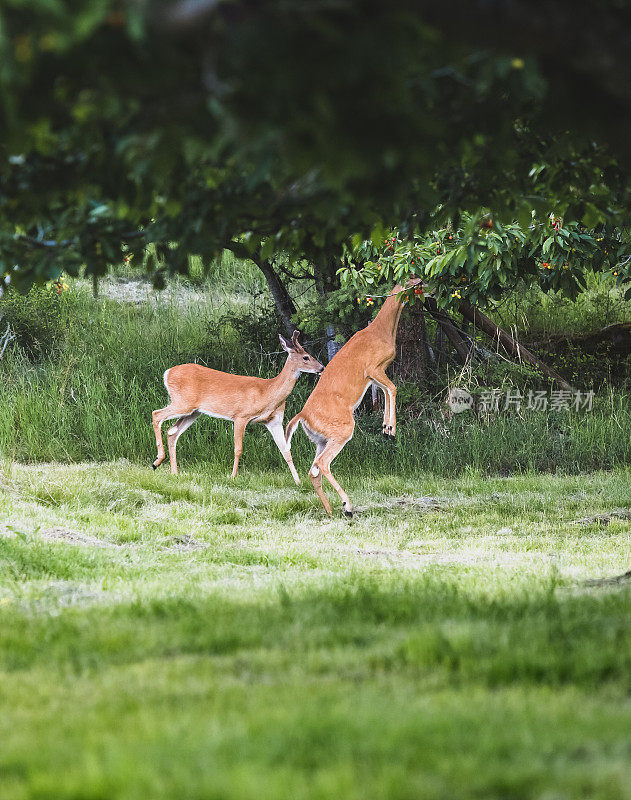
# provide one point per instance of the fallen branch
(487, 326)
(617, 337)
(626, 576)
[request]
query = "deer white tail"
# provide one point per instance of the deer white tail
(164, 380)
(291, 428)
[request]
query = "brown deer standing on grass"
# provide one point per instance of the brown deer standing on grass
(196, 390)
(327, 416)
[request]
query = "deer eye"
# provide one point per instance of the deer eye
(305, 358)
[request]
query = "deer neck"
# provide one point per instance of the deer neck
(284, 382)
(386, 322)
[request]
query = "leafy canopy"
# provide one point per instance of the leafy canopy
(288, 127)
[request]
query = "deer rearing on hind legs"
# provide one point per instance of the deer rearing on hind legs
(196, 390)
(327, 416)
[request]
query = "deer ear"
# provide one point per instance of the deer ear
(294, 338)
(284, 343)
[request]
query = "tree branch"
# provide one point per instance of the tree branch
(452, 333)
(34, 242)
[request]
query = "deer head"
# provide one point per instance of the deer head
(299, 359)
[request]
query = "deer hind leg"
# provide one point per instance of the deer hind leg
(379, 377)
(324, 463)
(275, 427)
(159, 416)
(315, 476)
(239, 430)
(174, 433)
(322, 466)
(316, 480)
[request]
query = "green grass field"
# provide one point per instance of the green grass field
(197, 637)
(464, 636)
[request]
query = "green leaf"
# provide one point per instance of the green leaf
(431, 265)
(460, 257)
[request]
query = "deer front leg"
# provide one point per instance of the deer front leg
(386, 410)
(379, 377)
(239, 430)
(275, 427)
(159, 416)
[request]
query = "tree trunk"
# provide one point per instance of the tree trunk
(426, 354)
(324, 271)
(487, 325)
(331, 345)
(282, 299)
(413, 360)
(439, 346)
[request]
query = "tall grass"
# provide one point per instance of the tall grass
(534, 313)
(86, 388)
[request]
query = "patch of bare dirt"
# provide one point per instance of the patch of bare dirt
(57, 534)
(183, 542)
(604, 519)
(74, 538)
(407, 557)
(406, 501)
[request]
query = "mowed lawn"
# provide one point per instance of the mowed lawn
(197, 637)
